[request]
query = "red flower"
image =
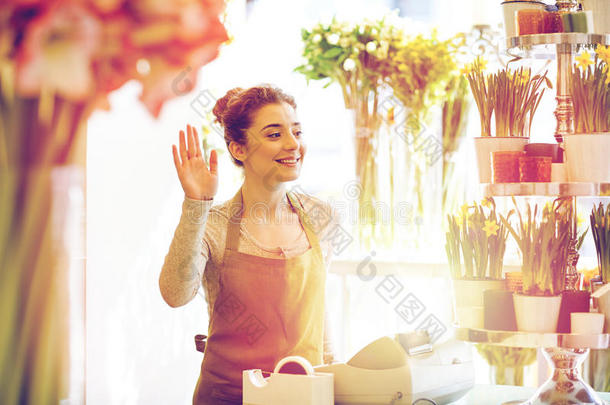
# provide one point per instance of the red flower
(57, 51)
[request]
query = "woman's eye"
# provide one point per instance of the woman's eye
(298, 133)
(274, 135)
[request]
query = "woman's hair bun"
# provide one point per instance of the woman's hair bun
(222, 104)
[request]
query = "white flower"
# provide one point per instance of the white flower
(316, 38)
(374, 31)
(371, 46)
(309, 68)
(344, 42)
(349, 64)
(361, 29)
(333, 39)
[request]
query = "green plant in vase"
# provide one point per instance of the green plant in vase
(590, 90)
(356, 57)
(600, 227)
(419, 74)
(587, 149)
(476, 243)
(475, 246)
(543, 238)
(503, 358)
(512, 98)
(543, 243)
(454, 116)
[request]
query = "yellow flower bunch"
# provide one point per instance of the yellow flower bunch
(420, 69)
(603, 53)
(478, 237)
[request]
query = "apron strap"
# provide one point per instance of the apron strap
(236, 211)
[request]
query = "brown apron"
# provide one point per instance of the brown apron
(266, 309)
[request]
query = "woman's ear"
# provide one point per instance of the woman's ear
(237, 151)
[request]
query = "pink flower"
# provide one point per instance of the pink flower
(166, 81)
(57, 51)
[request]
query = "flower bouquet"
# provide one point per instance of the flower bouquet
(59, 60)
(356, 56)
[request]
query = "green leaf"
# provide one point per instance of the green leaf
(332, 53)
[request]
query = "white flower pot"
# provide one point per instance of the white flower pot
(587, 323)
(469, 293)
(603, 303)
(470, 317)
(587, 157)
(487, 144)
(509, 9)
(601, 14)
(537, 314)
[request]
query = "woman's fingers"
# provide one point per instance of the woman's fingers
(197, 143)
(183, 154)
(213, 162)
(191, 142)
(176, 158)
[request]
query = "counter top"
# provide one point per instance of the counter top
(499, 394)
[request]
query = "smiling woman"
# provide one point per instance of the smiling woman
(263, 270)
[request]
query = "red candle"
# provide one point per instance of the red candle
(530, 21)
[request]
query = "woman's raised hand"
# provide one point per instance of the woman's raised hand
(198, 181)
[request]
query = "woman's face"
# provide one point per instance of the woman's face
(275, 149)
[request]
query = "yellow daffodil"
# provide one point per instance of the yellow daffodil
(603, 52)
(491, 228)
(583, 60)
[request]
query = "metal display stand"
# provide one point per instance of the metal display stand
(564, 352)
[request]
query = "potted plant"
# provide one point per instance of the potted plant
(587, 149)
(543, 241)
(600, 227)
(475, 246)
(512, 98)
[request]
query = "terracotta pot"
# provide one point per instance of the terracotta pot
(537, 314)
(514, 281)
(505, 166)
(530, 22)
(535, 168)
(508, 11)
(487, 144)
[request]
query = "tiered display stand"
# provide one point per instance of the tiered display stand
(564, 352)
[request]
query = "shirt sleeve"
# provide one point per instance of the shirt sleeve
(182, 269)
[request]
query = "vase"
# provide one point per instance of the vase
(505, 375)
(487, 144)
(537, 314)
(42, 255)
(587, 157)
